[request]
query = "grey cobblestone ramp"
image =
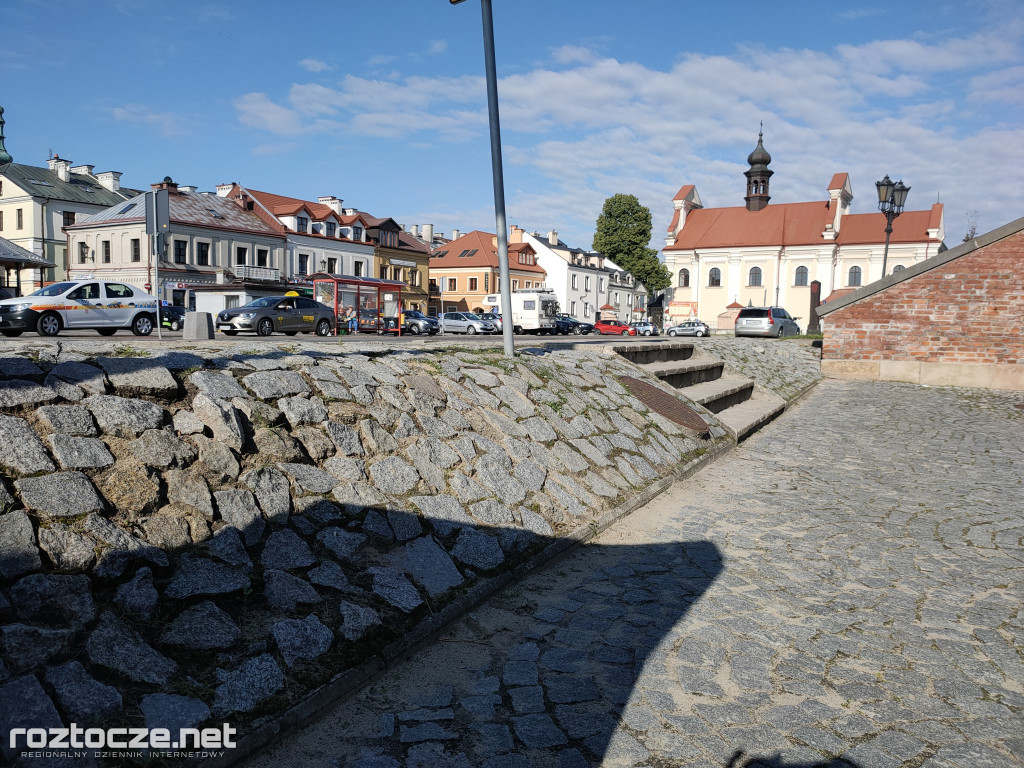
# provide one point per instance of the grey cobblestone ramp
(842, 589)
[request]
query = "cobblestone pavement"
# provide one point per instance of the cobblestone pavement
(843, 588)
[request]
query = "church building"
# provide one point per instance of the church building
(768, 255)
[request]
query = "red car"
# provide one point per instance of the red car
(614, 327)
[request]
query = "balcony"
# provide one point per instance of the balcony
(257, 273)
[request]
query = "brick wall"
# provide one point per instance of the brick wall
(968, 310)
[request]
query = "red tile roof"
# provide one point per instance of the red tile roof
(789, 224)
(486, 255)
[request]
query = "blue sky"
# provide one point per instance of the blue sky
(383, 102)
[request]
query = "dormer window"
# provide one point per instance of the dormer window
(357, 233)
(301, 224)
(331, 227)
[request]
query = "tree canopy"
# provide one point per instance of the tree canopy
(623, 232)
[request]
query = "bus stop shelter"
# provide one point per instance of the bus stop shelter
(376, 303)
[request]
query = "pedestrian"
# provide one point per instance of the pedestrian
(353, 324)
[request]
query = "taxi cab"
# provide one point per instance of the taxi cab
(104, 306)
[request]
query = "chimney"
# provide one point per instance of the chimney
(515, 234)
(413, 229)
(428, 233)
(553, 237)
(243, 200)
(331, 202)
(84, 170)
(61, 167)
(223, 190)
(110, 180)
(456, 234)
(167, 183)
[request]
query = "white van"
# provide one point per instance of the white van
(532, 311)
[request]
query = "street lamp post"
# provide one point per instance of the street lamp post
(499, 182)
(891, 199)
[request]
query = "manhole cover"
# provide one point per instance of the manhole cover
(662, 402)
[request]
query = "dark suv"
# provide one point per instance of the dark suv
(766, 321)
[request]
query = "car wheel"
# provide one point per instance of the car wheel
(230, 333)
(672, 333)
(700, 332)
(625, 333)
(48, 324)
(175, 325)
(414, 330)
(142, 325)
(323, 328)
(106, 331)
(517, 330)
(471, 330)
(265, 327)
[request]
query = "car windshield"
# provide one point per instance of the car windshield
(472, 316)
(414, 313)
(753, 312)
(54, 290)
(266, 301)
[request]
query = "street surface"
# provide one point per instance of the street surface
(846, 583)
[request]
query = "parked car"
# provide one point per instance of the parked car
(415, 322)
(645, 328)
(690, 328)
(765, 321)
(99, 305)
(567, 325)
(172, 317)
(288, 314)
(466, 322)
(614, 328)
(494, 318)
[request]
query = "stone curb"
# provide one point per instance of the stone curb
(352, 680)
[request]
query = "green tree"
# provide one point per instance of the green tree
(623, 232)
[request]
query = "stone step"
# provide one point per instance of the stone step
(721, 393)
(749, 416)
(685, 373)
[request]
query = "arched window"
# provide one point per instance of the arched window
(754, 276)
(854, 277)
(715, 278)
(801, 276)
(897, 268)
(684, 278)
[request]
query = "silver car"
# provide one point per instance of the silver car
(287, 314)
(466, 322)
(765, 321)
(690, 328)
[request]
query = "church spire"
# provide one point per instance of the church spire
(758, 175)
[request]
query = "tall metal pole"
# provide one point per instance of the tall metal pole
(888, 231)
(499, 181)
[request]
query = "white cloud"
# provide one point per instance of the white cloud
(584, 127)
(315, 65)
(437, 46)
(166, 123)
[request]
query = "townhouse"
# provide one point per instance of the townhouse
(216, 247)
(324, 236)
(589, 286)
(464, 271)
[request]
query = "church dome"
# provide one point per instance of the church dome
(760, 155)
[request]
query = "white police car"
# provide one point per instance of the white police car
(101, 305)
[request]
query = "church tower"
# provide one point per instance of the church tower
(758, 175)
